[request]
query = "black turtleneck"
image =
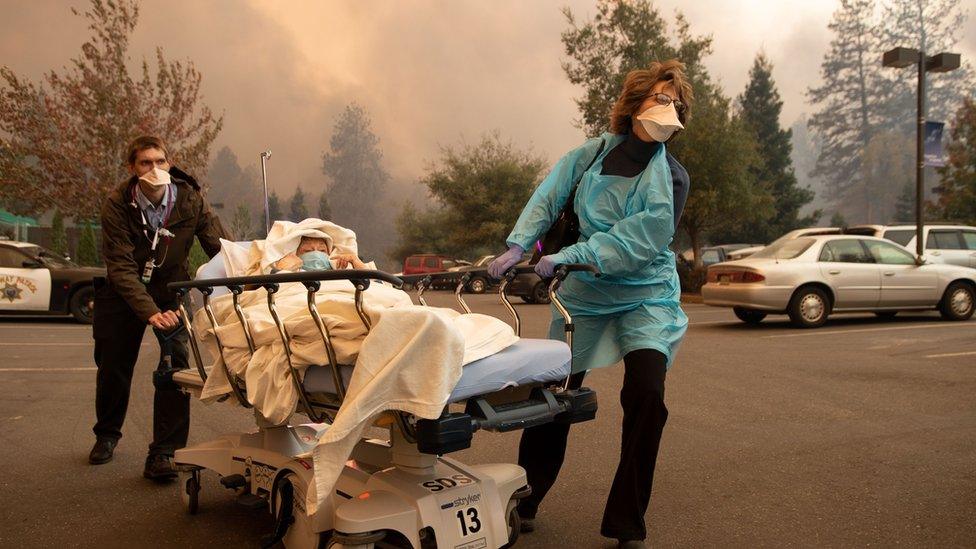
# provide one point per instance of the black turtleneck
(631, 157)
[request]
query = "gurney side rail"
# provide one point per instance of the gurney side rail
(271, 283)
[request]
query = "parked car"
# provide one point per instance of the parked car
(944, 243)
(479, 282)
(691, 280)
(811, 277)
(529, 287)
(35, 280)
(432, 263)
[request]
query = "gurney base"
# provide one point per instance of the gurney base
(388, 488)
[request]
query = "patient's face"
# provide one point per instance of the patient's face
(312, 244)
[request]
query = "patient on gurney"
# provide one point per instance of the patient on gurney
(315, 254)
(442, 340)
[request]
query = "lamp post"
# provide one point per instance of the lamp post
(264, 176)
(944, 62)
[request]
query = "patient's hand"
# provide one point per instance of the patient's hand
(344, 260)
(290, 262)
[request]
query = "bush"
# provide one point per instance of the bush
(88, 247)
(197, 257)
(59, 239)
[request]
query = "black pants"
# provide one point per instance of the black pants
(118, 337)
(543, 448)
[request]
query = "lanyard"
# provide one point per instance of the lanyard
(168, 211)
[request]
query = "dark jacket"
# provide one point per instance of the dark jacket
(126, 249)
(682, 185)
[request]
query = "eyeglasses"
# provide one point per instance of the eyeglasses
(665, 99)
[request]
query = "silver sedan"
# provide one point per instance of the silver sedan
(811, 277)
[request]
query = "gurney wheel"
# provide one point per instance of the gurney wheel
(190, 490)
(514, 523)
(291, 492)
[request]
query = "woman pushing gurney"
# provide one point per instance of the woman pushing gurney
(627, 192)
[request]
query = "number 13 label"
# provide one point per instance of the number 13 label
(469, 521)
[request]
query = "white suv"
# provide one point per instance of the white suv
(952, 244)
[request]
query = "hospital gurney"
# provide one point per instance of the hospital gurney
(397, 489)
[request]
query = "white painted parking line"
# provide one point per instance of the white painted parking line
(4, 370)
(948, 355)
(711, 322)
(944, 326)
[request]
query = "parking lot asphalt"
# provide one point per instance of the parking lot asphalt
(860, 433)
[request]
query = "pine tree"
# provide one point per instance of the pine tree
(847, 99)
(760, 106)
(59, 239)
(905, 207)
(353, 163)
(87, 247)
(274, 208)
(241, 226)
(838, 220)
(297, 211)
(957, 193)
(933, 26)
(325, 212)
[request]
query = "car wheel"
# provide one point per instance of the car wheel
(885, 314)
(477, 285)
(749, 316)
(82, 304)
(958, 302)
(540, 293)
(809, 307)
(527, 299)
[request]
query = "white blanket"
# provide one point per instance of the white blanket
(410, 361)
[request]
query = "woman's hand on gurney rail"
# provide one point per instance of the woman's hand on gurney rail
(164, 320)
(504, 262)
(545, 267)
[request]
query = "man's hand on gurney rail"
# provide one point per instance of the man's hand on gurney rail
(164, 320)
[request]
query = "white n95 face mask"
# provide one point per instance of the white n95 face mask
(660, 122)
(157, 177)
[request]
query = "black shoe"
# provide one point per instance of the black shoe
(159, 467)
(631, 544)
(527, 525)
(102, 451)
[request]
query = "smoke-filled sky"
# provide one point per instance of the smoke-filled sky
(429, 73)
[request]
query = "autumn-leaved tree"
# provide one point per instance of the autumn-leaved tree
(62, 141)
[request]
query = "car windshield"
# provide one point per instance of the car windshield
(785, 249)
(49, 258)
(900, 236)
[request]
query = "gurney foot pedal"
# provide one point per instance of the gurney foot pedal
(448, 433)
(579, 404)
(252, 501)
(233, 481)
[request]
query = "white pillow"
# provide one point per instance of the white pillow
(230, 252)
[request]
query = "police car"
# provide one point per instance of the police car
(34, 280)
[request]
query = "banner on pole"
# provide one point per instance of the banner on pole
(934, 156)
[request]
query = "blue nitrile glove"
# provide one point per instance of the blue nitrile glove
(504, 262)
(545, 266)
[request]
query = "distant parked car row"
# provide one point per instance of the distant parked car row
(809, 276)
